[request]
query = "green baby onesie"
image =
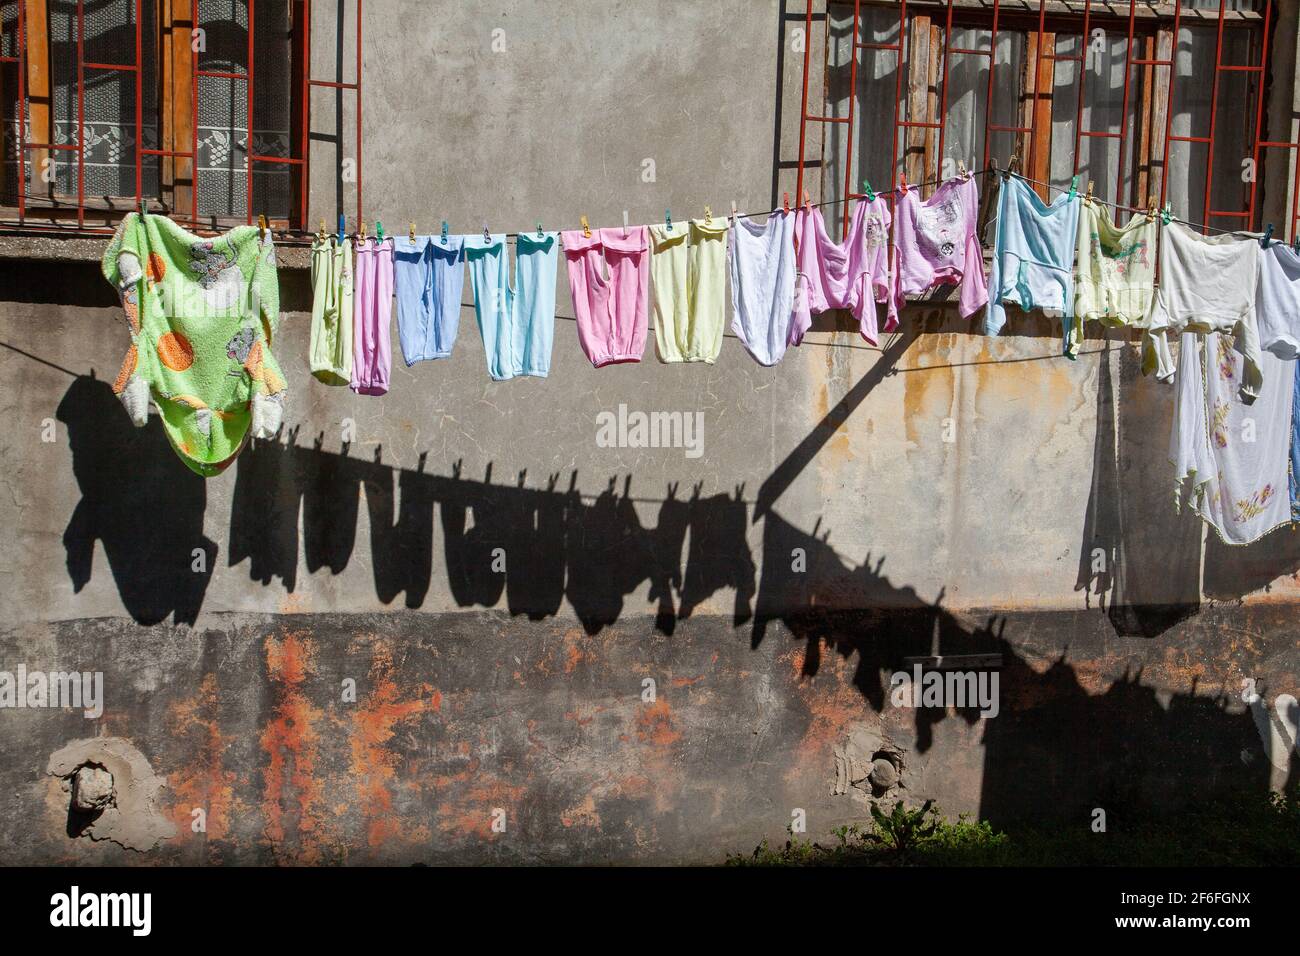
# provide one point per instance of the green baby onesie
(202, 314)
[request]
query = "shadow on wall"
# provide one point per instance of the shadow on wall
(1123, 747)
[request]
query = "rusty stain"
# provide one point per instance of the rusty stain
(374, 766)
(654, 724)
(206, 783)
(291, 742)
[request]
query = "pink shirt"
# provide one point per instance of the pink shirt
(612, 309)
(854, 275)
(936, 244)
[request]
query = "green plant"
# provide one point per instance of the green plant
(902, 829)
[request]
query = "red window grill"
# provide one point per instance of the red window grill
(249, 78)
(991, 17)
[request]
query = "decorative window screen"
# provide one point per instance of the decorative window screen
(108, 103)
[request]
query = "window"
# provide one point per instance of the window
(1125, 95)
(196, 106)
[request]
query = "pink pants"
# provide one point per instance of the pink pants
(372, 347)
(612, 311)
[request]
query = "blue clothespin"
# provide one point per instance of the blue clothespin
(871, 193)
(1074, 186)
(444, 232)
(1268, 234)
(668, 219)
(343, 226)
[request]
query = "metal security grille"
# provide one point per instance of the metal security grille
(104, 110)
(1160, 43)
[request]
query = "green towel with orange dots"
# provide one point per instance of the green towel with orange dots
(202, 314)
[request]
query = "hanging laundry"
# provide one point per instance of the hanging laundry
(372, 347)
(428, 278)
(936, 244)
(688, 269)
(330, 352)
(1114, 273)
(1033, 258)
(1294, 474)
(1277, 300)
(1231, 458)
(762, 285)
(202, 314)
(611, 306)
(1207, 284)
(517, 324)
(853, 276)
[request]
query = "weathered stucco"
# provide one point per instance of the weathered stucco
(852, 508)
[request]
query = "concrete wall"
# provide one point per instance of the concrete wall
(945, 493)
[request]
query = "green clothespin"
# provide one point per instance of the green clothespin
(866, 188)
(1166, 215)
(1074, 186)
(379, 230)
(668, 219)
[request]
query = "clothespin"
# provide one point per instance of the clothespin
(261, 226)
(786, 204)
(1267, 237)
(624, 223)
(962, 171)
(734, 213)
(343, 226)
(379, 231)
(1089, 196)
(1295, 244)
(708, 215)
(668, 219)
(902, 184)
(411, 232)
(1167, 215)
(539, 230)
(807, 201)
(320, 232)
(443, 237)
(487, 236)
(362, 233)
(1074, 186)
(866, 188)
(586, 229)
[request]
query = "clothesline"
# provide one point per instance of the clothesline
(1143, 212)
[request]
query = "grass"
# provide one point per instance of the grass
(1259, 831)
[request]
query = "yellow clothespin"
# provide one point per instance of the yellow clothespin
(708, 215)
(362, 233)
(1151, 206)
(320, 231)
(1088, 198)
(961, 170)
(586, 229)
(261, 226)
(411, 232)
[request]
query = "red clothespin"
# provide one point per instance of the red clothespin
(902, 181)
(807, 201)
(786, 204)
